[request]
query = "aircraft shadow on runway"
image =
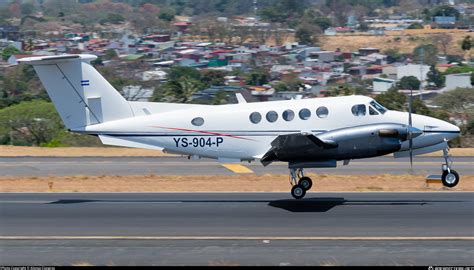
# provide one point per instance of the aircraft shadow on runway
(306, 205)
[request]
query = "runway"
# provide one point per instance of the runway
(45, 166)
(237, 229)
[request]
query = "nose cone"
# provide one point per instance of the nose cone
(447, 130)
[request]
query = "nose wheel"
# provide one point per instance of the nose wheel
(301, 184)
(450, 177)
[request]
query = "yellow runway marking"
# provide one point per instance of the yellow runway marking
(237, 168)
(258, 238)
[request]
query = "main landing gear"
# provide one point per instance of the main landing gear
(450, 178)
(301, 184)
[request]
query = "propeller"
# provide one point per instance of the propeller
(410, 127)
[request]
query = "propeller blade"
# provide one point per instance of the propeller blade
(410, 127)
(410, 109)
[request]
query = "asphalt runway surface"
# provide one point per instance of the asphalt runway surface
(45, 166)
(237, 229)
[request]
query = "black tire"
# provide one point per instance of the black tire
(306, 182)
(450, 179)
(298, 192)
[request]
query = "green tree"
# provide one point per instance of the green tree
(392, 99)
(445, 10)
(393, 55)
(427, 53)
(416, 25)
(167, 14)
(213, 78)
(182, 90)
(176, 72)
(305, 34)
(30, 123)
(435, 77)
(257, 77)
(466, 44)
(114, 18)
(346, 90)
(9, 51)
(409, 83)
(323, 22)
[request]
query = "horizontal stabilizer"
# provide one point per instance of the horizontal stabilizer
(114, 141)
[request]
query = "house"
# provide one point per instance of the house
(382, 84)
(420, 72)
(454, 81)
(154, 75)
(368, 51)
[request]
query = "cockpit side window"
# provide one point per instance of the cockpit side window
(359, 110)
(381, 109)
(372, 111)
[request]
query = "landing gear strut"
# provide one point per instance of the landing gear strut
(301, 184)
(450, 177)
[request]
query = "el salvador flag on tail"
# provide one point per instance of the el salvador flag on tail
(85, 83)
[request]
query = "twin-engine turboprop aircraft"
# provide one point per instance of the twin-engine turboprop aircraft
(306, 133)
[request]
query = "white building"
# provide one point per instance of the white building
(418, 71)
(454, 81)
(382, 84)
(154, 75)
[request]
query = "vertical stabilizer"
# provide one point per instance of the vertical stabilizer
(81, 95)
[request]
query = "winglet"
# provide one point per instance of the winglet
(240, 98)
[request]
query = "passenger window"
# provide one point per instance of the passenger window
(255, 117)
(198, 121)
(372, 111)
(322, 112)
(288, 115)
(272, 116)
(305, 114)
(359, 110)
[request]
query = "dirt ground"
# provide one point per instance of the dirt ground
(21, 151)
(238, 183)
(404, 42)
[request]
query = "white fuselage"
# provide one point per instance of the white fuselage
(228, 133)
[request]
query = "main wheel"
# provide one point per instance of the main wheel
(298, 192)
(450, 179)
(306, 183)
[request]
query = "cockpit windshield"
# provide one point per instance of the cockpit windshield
(378, 107)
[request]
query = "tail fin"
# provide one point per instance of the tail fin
(81, 95)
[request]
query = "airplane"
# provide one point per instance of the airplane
(305, 133)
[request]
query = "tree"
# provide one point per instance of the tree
(346, 90)
(392, 99)
(457, 101)
(435, 77)
(445, 10)
(393, 55)
(305, 34)
(9, 51)
(323, 22)
(257, 77)
(167, 14)
(182, 90)
(466, 44)
(30, 123)
(427, 53)
(177, 72)
(443, 40)
(409, 83)
(213, 78)
(416, 25)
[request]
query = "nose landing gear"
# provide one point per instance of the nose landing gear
(450, 177)
(301, 184)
